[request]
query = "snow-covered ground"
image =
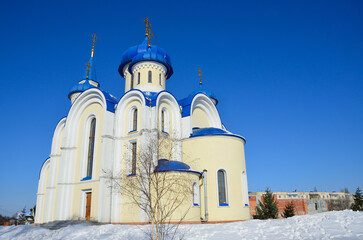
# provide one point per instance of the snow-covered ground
(330, 225)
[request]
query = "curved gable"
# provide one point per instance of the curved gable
(126, 102)
(86, 99)
(165, 99)
(204, 112)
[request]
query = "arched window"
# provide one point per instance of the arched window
(150, 80)
(162, 120)
(222, 191)
(134, 120)
(138, 78)
(132, 82)
(160, 79)
(195, 194)
(91, 145)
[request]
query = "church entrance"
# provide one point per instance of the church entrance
(88, 205)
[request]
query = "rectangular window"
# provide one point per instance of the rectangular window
(138, 78)
(133, 158)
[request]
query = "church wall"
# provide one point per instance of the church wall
(93, 110)
(129, 212)
(187, 212)
(192, 213)
(200, 118)
(226, 154)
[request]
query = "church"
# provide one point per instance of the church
(103, 134)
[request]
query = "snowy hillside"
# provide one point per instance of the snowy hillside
(331, 225)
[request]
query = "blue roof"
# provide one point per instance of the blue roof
(142, 52)
(80, 87)
(197, 132)
(111, 101)
(185, 103)
(165, 165)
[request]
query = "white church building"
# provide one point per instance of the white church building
(102, 133)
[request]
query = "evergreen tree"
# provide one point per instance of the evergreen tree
(268, 207)
(21, 217)
(289, 210)
(358, 201)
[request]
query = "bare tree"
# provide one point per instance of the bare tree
(154, 186)
(339, 204)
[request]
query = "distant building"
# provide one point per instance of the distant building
(305, 202)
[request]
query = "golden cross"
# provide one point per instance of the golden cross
(148, 32)
(94, 38)
(200, 76)
(88, 69)
(147, 27)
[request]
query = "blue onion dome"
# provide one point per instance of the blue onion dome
(88, 81)
(141, 53)
(82, 86)
(207, 92)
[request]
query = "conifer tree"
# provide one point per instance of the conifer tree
(21, 217)
(268, 207)
(358, 201)
(289, 210)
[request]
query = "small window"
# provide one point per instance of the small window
(163, 121)
(133, 158)
(91, 144)
(134, 120)
(132, 82)
(195, 194)
(222, 194)
(160, 79)
(138, 78)
(150, 80)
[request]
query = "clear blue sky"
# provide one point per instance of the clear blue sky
(288, 76)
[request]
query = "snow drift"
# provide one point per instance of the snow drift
(330, 225)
